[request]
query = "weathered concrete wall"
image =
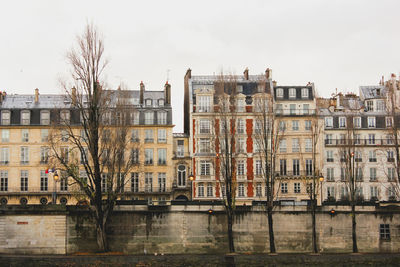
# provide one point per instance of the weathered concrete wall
(192, 229)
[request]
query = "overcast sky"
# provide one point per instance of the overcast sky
(335, 44)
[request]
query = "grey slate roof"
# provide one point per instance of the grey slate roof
(368, 92)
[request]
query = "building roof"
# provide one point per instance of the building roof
(374, 91)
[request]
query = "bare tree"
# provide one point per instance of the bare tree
(100, 136)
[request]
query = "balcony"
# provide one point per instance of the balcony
(295, 112)
(359, 142)
(291, 174)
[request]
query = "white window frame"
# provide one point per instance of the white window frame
(5, 117)
(342, 122)
(162, 117)
(292, 93)
(279, 93)
(328, 122)
(371, 122)
(357, 122)
(304, 92)
(25, 117)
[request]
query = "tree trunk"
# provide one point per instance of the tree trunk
(271, 230)
(314, 232)
(102, 238)
(353, 229)
(230, 232)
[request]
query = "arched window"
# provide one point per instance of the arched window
(181, 175)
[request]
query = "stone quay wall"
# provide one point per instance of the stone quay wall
(195, 229)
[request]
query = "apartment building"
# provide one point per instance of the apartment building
(182, 167)
(27, 120)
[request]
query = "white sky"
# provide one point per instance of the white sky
(335, 44)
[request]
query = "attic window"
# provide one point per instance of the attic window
(239, 88)
(160, 102)
(64, 116)
(304, 93)
(148, 102)
(5, 117)
(279, 93)
(25, 117)
(292, 93)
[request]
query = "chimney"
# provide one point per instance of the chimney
(246, 74)
(274, 83)
(167, 93)
(268, 73)
(1, 97)
(189, 73)
(36, 95)
(141, 93)
(73, 95)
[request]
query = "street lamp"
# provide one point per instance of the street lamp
(191, 178)
(55, 177)
(321, 179)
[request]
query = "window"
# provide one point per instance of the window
(359, 191)
(44, 134)
(104, 182)
(374, 192)
(258, 167)
(135, 136)
(64, 116)
(306, 109)
(343, 174)
(342, 139)
(295, 125)
(134, 156)
(304, 93)
(358, 156)
(370, 105)
(149, 117)
(307, 125)
(148, 156)
(44, 117)
(390, 156)
(371, 122)
(308, 145)
(295, 145)
(5, 117)
(24, 155)
(392, 192)
(278, 109)
(240, 105)
(329, 156)
(205, 167)
(241, 190)
(162, 117)
(149, 102)
(5, 135)
(3, 180)
(44, 154)
(389, 122)
(204, 103)
(328, 139)
(292, 93)
(296, 167)
(389, 140)
(210, 191)
(149, 136)
(330, 190)
(64, 154)
(372, 174)
(357, 139)
(162, 136)
(342, 122)
(282, 167)
(357, 122)
(284, 188)
(205, 126)
(83, 177)
(24, 135)
(241, 145)
(181, 175)
(372, 156)
(384, 231)
(24, 181)
(200, 190)
(162, 156)
(282, 126)
(135, 116)
(134, 182)
(240, 167)
(380, 105)
(44, 181)
(161, 181)
(204, 145)
(25, 117)
(359, 174)
(282, 145)
(64, 136)
(330, 174)
(258, 190)
(240, 126)
(180, 149)
(160, 102)
(391, 174)
(343, 192)
(297, 188)
(371, 139)
(148, 182)
(309, 167)
(328, 122)
(4, 155)
(279, 93)
(64, 183)
(292, 109)
(84, 156)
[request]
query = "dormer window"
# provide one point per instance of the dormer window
(5, 117)
(342, 122)
(45, 117)
(239, 88)
(204, 103)
(160, 102)
(292, 93)
(279, 93)
(371, 122)
(64, 116)
(380, 105)
(328, 122)
(25, 117)
(304, 93)
(240, 104)
(370, 105)
(148, 102)
(149, 118)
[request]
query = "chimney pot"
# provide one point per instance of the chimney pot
(246, 74)
(268, 73)
(73, 95)
(167, 93)
(274, 83)
(142, 88)
(36, 95)
(189, 73)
